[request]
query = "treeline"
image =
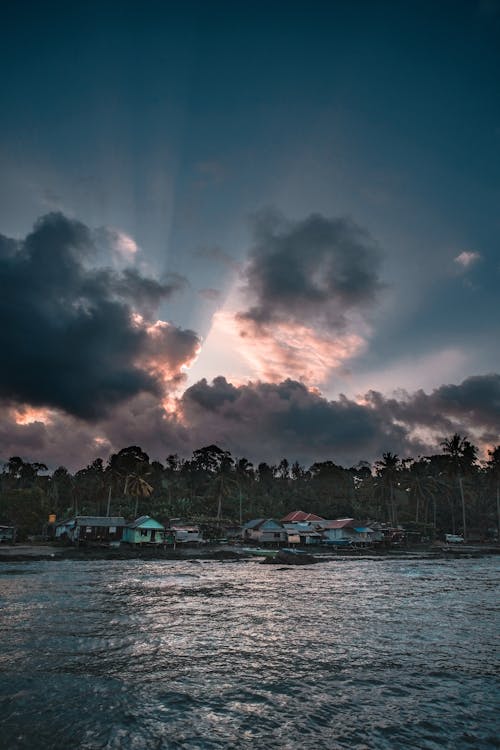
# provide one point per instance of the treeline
(442, 491)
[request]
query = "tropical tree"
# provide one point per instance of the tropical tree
(387, 470)
(137, 487)
(461, 456)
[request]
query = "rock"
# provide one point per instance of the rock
(290, 558)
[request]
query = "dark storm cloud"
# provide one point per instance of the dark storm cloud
(145, 294)
(472, 404)
(68, 336)
(264, 422)
(317, 270)
(267, 420)
(74, 443)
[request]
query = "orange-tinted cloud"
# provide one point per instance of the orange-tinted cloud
(285, 349)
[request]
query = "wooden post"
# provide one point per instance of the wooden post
(498, 510)
(463, 508)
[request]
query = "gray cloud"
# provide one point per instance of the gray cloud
(212, 295)
(265, 421)
(318, 271)
(473, 404)
(68, 336)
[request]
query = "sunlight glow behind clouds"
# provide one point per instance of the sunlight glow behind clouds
(285, 350)
(25, 414)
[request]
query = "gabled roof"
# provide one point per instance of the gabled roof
(339, 523)
(256, 523)
(143, 520)
(300, 515)
(253, 524)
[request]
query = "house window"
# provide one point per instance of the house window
(144, 532)
(277, 535)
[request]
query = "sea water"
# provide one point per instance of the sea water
(365, 653)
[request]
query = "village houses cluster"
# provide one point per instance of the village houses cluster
(296, 529)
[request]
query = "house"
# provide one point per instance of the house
(63, 530)
(265, 531)
(302, 533)
(99, 529)
(302, 527)
(345, 531)
(387, 535)
(185, 532)
(299, 516)
(7, 534)
(144, 530)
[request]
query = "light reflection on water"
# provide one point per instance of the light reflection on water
(347, 654)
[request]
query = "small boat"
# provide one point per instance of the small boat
(290, 551)
(256, 552)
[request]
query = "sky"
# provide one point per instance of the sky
(271, 226)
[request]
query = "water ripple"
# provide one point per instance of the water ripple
(352, 654)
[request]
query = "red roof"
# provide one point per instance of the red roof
(299, 516)
(339, 523)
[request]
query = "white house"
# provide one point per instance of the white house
(185, 532)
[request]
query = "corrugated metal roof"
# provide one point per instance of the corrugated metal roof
(142, 519)
(300, 515)
(100, 521)
(254, 523)
(363, 529)
(339, 523)
(257, 523)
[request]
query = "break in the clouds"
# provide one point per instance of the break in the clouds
(307, 287)
(81, 338)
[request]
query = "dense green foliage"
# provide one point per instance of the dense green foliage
(439, 491)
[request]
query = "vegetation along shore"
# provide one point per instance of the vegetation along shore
(452, 492)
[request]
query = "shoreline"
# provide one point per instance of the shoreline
(226, 553)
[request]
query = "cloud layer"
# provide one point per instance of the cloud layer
(76, 337)
(264, 421)
(89, 368)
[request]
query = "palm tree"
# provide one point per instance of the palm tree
(493, 468)
(387, 470)
(462, 457)
(136, 486)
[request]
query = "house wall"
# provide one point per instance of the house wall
(187, 535)
(338, 534)
(147, 533)
(99, 533)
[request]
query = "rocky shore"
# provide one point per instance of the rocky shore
(27, 553)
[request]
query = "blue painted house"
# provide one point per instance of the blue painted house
(265, 531)
(144, 530)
